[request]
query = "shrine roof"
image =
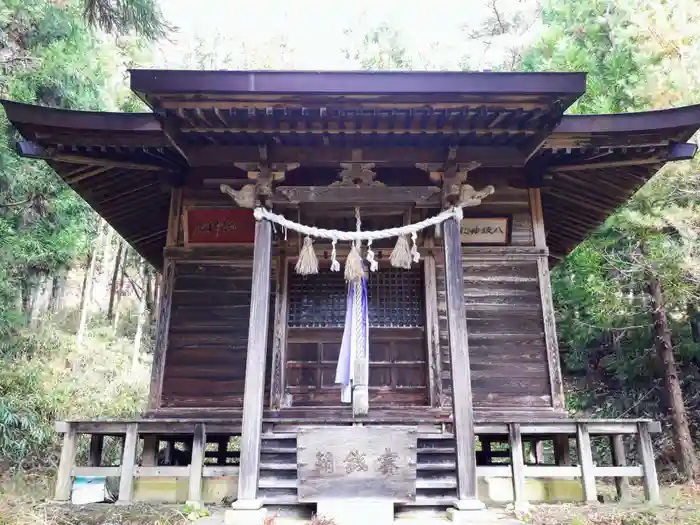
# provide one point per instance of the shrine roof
(123, 163)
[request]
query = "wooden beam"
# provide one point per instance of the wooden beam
(126, 473)
(64, 480)
(610, 164)
(254, 388)
(459, 364)
(33, 150)
(161, 339)
(279, 342)
(174, 217)
(174, 136)
(333, 156)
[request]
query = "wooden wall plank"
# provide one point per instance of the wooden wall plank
(208, 333)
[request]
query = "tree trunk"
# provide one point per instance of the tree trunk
(115, 276)
(120, 290)
(694, 321)
(139, 326)
(685, 451)
(87, 284)
(58, 291)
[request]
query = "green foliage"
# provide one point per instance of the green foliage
(142, 17)
(45, 376)
(596, 37)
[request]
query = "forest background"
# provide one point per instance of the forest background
(77, 305)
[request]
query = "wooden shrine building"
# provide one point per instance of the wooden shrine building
(464, 381)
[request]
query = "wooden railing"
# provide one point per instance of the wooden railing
(511, 435)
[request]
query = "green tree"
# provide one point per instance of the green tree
(619, 292)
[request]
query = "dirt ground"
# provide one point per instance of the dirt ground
(24, 502)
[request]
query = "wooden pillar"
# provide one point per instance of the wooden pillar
(619, 459)
(646, 453)
(517, 465)
(222, 452)
(585, 456)
(255, 369)
(279, 337)
(432, 329)
(149, 457)
(64, 478)
(96, 445)
(199, 444)
(543, 276)
(461, 375)
(562, 450)
(126, 474)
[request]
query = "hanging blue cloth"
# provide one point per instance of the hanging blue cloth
(345, 370)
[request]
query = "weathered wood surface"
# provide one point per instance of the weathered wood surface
(344, 194)
(544, 278)
(508, 357)
(279, 335)
(646, 453)
(257, 349)
(397, 369)
(585, 455)
(432, 331)
(126, 473)
(619, 459)
(161, 339)
(517, 464)
(357, 462)
(207, 340)
(199, 443)
(65, 465)
(459, 362)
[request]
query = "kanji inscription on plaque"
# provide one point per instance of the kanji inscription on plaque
(356, 462)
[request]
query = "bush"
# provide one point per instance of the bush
(45, 377)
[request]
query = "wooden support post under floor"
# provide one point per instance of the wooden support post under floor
(254, 388)
(96, 445)
(199, 443)
(459, 362)
(149, 457)
(619, 459)
(64, 480)
(646, 452)
(517, 465)
(585, 457)
(126, 474)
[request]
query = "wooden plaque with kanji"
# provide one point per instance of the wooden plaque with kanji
(356, 462)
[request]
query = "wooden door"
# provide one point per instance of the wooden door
(398, 366)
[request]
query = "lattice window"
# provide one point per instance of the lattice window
(395, 298)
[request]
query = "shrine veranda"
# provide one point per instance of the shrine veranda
(450, 379)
